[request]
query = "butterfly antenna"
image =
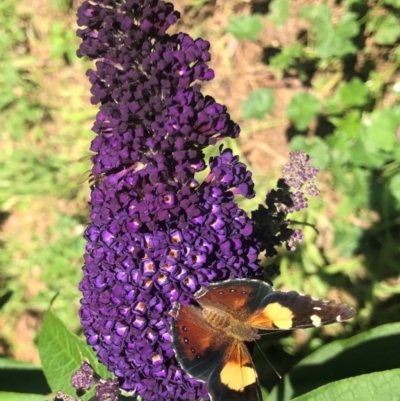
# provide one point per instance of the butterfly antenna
(269, 363)
(272, 332)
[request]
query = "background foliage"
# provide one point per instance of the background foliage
(340, 73)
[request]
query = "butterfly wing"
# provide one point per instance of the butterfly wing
(209, 355)
(241, 298)
(291, 310)
(255, 302)
(235, 378)
(198, 347)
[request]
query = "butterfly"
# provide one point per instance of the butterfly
(208, 339)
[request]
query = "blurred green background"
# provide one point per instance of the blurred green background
(46, 119)
(322, 77)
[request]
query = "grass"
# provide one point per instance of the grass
(46, 119)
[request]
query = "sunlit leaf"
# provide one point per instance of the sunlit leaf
(279, 12)
(381, 129)
(259, 103)
(395, 186)
(62, 352)
(303, 108)
(245, 26)
(353, 93)
(393, 3)
(331, 40)
(374, 386)
(386, 29)
(372, 351)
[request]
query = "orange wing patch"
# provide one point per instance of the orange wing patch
(237, 377)
(238, 371)
(274, 315)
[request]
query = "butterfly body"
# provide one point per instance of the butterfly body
(209, 340)
(232, 327)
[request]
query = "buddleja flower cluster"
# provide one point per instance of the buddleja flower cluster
(86, 378)
(272, 226)
(156, 234)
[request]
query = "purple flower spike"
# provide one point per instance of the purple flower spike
(156, 234)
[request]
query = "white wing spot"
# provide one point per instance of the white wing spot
(316, 320)
(317, 308)
(338, 318)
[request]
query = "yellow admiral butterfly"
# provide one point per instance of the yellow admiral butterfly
(209, 341)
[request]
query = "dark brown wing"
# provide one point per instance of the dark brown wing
(241, 298)
(291, 310)
(198, 347)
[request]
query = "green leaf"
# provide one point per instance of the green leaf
(330, 40)
(347, 236)
(4, 396)
(371, 351)
(303, 108)
(381, 129)
(259, 103)
(374, 386)
(394, 186)
(353, 93)
(350, 94)
(63, 42)
(320, 13)
(245, 26)
(362, 154)
(285, 58)
(61, 353)
(386, 29)
(354, 184)
(393, 3)
(279, 11)
(349, 126)
(264, 393)
(314, 146)
(345, 137)
(346, 29)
